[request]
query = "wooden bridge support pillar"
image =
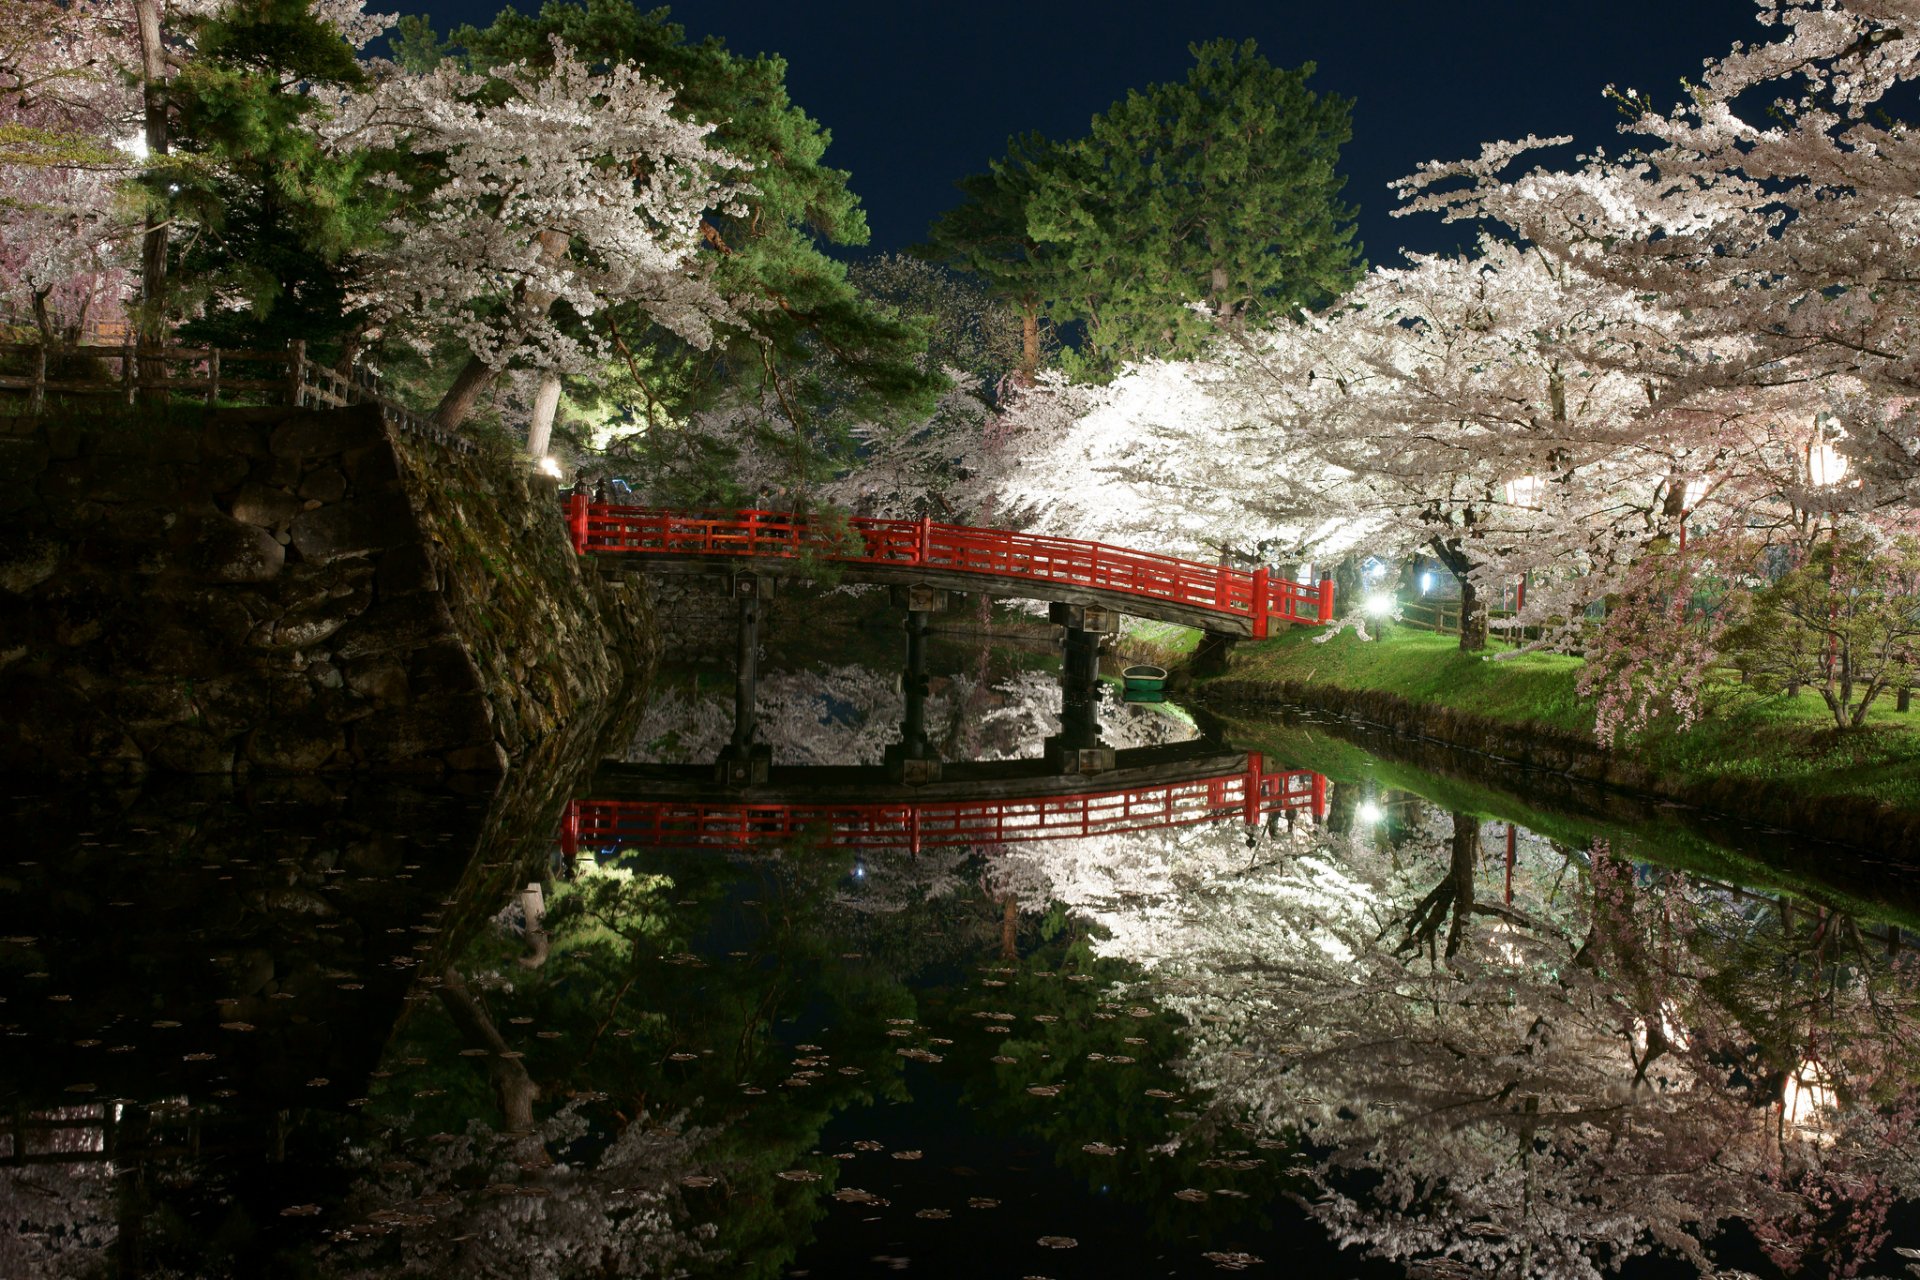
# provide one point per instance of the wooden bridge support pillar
(743, 762)
(1077, 747)
(912, 760)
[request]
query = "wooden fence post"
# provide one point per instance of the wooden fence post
(923, 548)
(37, 403)
(1262, 593)
(1320, 797)
(1250, 802)
(296, 371)
(213, 375)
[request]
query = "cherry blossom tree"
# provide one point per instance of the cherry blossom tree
(554, 193)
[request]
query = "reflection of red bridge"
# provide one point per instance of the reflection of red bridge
(920, 552)
(932, 815)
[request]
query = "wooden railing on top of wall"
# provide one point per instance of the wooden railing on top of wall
(211, 374)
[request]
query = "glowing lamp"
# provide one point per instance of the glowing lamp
(1368, 812)
(1525, 491)
(1379, 604)
(550, 465)
(1826, 465)
(1808, 1092)
(1691, 495)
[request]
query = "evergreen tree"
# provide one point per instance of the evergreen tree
(988, 237)
(274, 211)
(1220, 190)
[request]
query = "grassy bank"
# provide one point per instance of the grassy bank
(1643, 831)
(1745, 737)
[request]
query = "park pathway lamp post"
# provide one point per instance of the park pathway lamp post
(1826, 468)
(1526, 493)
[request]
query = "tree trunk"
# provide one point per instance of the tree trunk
(512, 1086)
(1009, 927)
(1029, 345)
(1464, 857)
(1473, 618)
(546, 401)
(153, 240)
(476, 375)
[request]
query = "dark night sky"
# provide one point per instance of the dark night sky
(918, 94)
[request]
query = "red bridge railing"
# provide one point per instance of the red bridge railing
(602, 528)
(1248, 796)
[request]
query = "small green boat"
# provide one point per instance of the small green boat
(1144, 680)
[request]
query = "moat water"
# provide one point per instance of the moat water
(1444, 1022)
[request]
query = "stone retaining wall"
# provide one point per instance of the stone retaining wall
(290, 591)
(1855, 820)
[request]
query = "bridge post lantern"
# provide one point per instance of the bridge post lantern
(577, 522)
(1326, 599)
(1262, 596)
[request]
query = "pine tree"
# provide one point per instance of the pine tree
(988, 237)
(1220, 191)
(275, 212)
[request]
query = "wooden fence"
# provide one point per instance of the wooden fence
(211, 375)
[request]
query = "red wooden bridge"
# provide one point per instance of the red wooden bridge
(922, 552)
(1247, 793)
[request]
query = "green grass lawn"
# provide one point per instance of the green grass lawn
(1744, 735)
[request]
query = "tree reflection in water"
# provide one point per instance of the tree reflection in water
(1543, 1087)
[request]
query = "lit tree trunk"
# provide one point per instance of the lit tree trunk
(153, 241)
(1029, 343)
(1009, 927)
(1473, 618)
(1473, 610)
(546, 401)
(512, 1086)
(476, 375)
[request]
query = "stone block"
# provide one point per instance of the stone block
(258, 504)
(186, 748)
(489, 757)
(229, 436)
(313, 435)
(328, 484)
(406, 570)
(294, 745)
(427, 728)
(221, 549)
(383, 680)
(395, 626)
(26, 561)
(276, 473)
(357, 528)
(373, 467)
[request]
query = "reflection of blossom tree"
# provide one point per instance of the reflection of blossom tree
(617, 1211)
(57, 1218)
(844, 715)
(1542, 1088)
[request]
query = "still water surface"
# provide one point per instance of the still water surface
(1433, 1026)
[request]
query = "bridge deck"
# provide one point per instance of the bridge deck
(997, 561)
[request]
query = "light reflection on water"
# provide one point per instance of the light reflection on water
(1451, 1045)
